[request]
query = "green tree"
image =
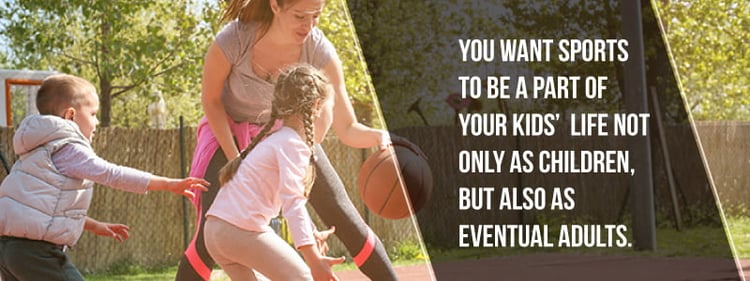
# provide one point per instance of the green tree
(3, 60)
(128, 48)
(411, 51)
(708, 41)
(587, 19)
(592, 20)
(337, 25)
(409, 55)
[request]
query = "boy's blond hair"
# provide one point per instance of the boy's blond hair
(60, 92)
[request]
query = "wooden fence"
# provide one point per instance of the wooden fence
(599, 198)
(727, 150)
(157, 219)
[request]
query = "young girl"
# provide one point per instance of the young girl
(274, 174)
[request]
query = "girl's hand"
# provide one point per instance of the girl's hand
(321, 269)
(320, 265)
(321, 237)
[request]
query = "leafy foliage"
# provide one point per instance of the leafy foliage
(339, 29)
(708, 41)
(412, 52)
(133, 48)
(128, 48)
(405, 47)
(3, 60)
(583, 20)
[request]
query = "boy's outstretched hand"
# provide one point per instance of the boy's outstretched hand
(182, 187)
(115, 230)
(186, 186)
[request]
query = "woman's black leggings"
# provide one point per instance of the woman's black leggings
(329, 199)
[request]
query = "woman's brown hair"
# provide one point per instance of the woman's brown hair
(258, 11)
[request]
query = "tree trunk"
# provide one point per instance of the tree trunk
(105, 81)
(105, 102)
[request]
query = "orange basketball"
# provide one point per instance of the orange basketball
(381, 190)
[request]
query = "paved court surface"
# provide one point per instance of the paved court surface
(405, 273)
(571, 267)
(564, 267)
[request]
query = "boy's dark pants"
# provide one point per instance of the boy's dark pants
(31, 260)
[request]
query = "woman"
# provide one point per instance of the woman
(240, 68)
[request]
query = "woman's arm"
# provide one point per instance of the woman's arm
(345, 123)
(215, 71)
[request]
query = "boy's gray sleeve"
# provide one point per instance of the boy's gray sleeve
(78, 161)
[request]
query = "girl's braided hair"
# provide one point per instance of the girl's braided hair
(299, 89)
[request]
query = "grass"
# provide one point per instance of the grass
(133, 273)
(691, 242)
(739, 229)
(697, 241)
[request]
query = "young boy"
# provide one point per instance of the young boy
(45, 197)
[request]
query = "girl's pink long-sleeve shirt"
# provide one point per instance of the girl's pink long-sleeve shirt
(269, 180)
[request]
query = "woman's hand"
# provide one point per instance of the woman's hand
(401, 141)
(385, 140)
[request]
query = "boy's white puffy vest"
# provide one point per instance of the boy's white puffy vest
(36, 201)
